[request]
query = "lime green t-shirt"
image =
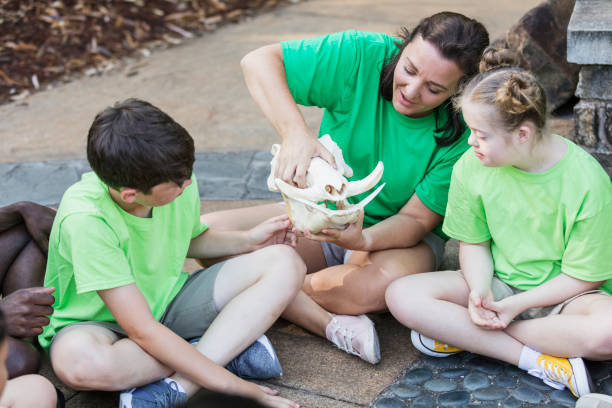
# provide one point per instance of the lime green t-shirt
(340, 72)
(539, 224)
(95, 245)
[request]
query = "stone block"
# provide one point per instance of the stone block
(585, 116)
(589, 33)
(595, 82)
(540, 38)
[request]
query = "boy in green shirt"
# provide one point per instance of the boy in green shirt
(123, 308)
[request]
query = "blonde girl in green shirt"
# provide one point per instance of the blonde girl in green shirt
(533, 214)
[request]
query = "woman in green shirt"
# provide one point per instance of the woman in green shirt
(385, 99)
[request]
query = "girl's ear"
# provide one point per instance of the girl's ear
(526, 132)
(128, 195)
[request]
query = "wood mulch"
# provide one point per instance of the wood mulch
(42, 41)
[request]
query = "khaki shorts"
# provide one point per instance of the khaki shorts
(336, 255)
(190, 313)
(502, 290)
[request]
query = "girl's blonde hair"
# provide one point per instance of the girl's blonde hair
(514, 92)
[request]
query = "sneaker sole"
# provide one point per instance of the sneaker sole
(417, 342)
(582, 387)
(372, 355)
(125, 399)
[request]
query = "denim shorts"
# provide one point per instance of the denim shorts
(502, 290)
(336, 255)
(189, 314)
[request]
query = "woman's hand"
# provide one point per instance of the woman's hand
(269, 398)
(275, 230)
(480, 314)
(352, 237)
(295, 156)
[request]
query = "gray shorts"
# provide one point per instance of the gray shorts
(189, 314)
(502, 290)
(336, 255)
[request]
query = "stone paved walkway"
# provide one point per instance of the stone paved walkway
(200, 85)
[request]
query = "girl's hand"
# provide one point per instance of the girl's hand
(270, 398)
(480, 314)
(506, 309)
(295, 156)
(351, 237)
(275, 230)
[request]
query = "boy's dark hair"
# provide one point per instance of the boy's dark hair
(459, 39)
(134, 144)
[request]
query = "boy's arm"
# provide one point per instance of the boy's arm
(130, 309)
(217, 243)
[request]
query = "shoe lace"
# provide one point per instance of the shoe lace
(551, 373)
(342, 337)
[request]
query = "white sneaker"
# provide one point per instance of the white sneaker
(594, 401)
(355, 335)
(559, 373)
(432, 347)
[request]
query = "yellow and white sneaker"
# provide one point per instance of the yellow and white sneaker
(432, 347)
(559, 373)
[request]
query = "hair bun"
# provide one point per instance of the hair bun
(518, 92)
(496, 57)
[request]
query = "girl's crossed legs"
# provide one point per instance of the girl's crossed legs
(435, 305)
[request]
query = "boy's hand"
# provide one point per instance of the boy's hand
(351, 237)
(26, 311)
(270, 398)
(480, 314)
(276, 230)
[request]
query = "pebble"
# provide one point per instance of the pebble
(454, 399)
(423, 402)
(390, 403)
(475, 381)
(417, 376)
(491, 394)
(455, 373)
(405, 390)
(563, 397)
(505, 381)
(526, 394)
(440, 385)
(486, 365)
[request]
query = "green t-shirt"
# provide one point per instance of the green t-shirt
(95, 245)
(539, 224)
(340, 72)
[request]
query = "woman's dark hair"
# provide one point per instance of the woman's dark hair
(459, 39)
(134, 144)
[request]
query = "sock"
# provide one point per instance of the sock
(528, 359)
(178, 385)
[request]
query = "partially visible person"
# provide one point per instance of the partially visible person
(533, 214)
(594, 401)
(125, 313)
(27, 391)
(24, 240)
(386, 99)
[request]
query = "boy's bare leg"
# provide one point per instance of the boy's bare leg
(246, 285)
(435, 304)
(91, 357)
(584, 328)
(29, 391)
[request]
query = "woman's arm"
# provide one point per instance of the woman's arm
(265, 76)
(402, 230)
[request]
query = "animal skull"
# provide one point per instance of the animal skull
(324, 183)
